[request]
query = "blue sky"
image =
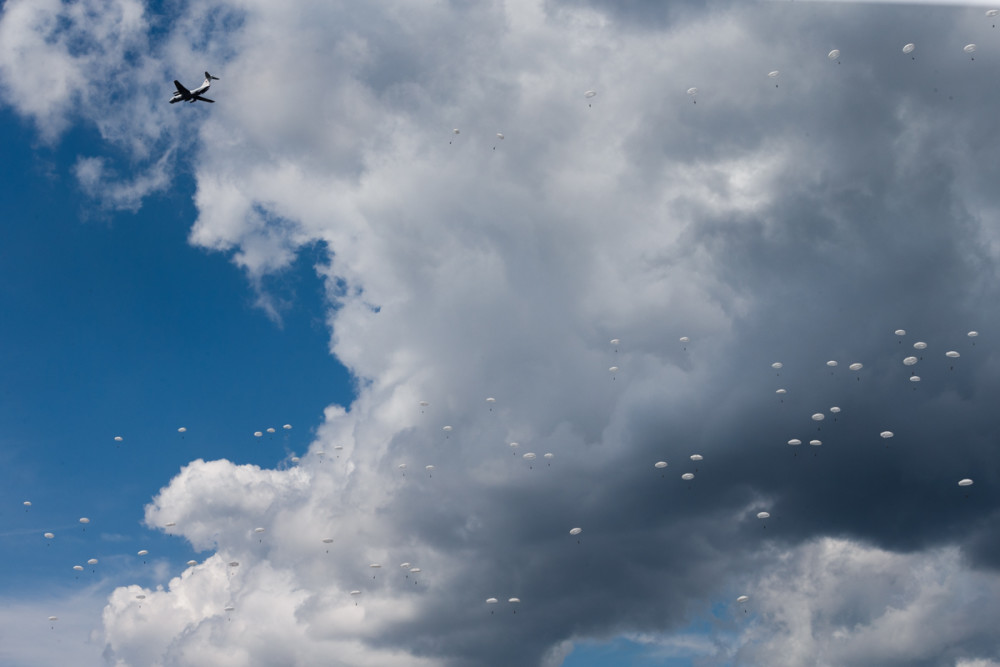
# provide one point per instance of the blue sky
(320, 248)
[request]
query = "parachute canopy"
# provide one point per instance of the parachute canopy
(697, 457)
(908, 48)
(763, 515)
(909, 361)
(965, 482)
(660, 464)
(818, 417)
(833, 55)
(590, 93)
(920, 345)
(886, 434)
(575, 531)
(687, 476)
(952, 354)
(856, 366)
(794, 441)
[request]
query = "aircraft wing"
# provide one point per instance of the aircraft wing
(204, 99)
(181, 89)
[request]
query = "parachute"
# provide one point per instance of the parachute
(908, 48)
(835, 410)
(763, 515)
(780, 391)
(920, 345)
(192, 563)
(491, 600)
(84, 520)
(776, 365)
(118, 438)
(660, 464)
(48, 536)
(142, 552)
(529, 456)
(182, 429)
(909, 361)
(965, 482)
(952, 354)
(257, 434)
(743, 598)
(818, 417)
(590, 93)
(833, 55)
(856, 366)
(688, 476)
(901, 332)
(815, 443)
(575, 531)
(831, 363)
(327, 540)
(287, 427)
(886, 434)
(92, 561)
(697, 457)
(78, 568)
(794, 442)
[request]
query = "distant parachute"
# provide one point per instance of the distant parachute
(818, 417)
(777, 365)
(446, 429)
(687, 476)
(258, 530)
(965, 482)
(763, 515)
(270, 429)
(78, 568)
(142, 552)
(660, 464)
(327, 540)
(920, 345)
(900, 332)
(491, 600)
(815, 443)
(831, 363)
(780, 391)
(257, 434)
(53, 618)
(182, 429)
(697, 457)
(615, 341)
(48, 536)
(500, 136)
(429, 468)
(84, 520)
(287, 427)
(27, 503)
(969, 48)
(835, 409)
(952, 354)
(530, 456)
(693, 92)
(914, 378)
(909, 361)
(743, 598)
(972, 334)
(856, 366)
(118, 438)
(514, 600)
(684, 339)
(834, 54)
(908, 48)
(92, 561)
(549, 455)
(886, 434)
(575, 531)
(192, 563)
(794, 442)
(590, 93)
(375, 565)
(613, 369)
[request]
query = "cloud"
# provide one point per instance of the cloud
(798, 220)
(835, 602)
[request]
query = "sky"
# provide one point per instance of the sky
(396, 211)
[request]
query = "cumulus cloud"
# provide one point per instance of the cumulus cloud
(799, 220)
(836, 602)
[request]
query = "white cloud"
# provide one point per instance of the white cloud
(464, 266)
(837, 602)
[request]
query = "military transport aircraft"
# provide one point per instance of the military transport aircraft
(185, 95)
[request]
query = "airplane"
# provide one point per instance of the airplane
(185, 95)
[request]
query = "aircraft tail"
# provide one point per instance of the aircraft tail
(209, 77)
